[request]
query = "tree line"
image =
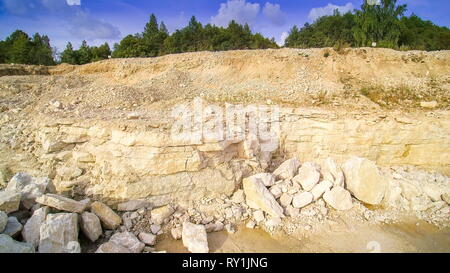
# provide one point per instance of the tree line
(383, 24)
(156, 41)
(23, 49)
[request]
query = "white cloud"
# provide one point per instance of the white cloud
(73, 2)
(283, 37)
(78, 22)
(328, 10)
(84, 26)
(238, 10)
(274, 13)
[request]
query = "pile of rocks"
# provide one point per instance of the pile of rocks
(32, 219)
(310, 189)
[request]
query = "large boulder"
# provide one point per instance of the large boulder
(13, 227)
(3, 220)
(195, 238)
(108, 217)
(160, 214)
(31, 230)
(110, 247)
(259, 197)
(61, 203)
(9, 201)
(57, 231)
(91, 226)
(287, 169)
(364, 180)
(30, 187)
(9, 245)
(128, 240)
(338, 198)
(308, 176)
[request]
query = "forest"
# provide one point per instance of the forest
(383, 25)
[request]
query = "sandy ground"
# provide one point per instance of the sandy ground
(409, 236)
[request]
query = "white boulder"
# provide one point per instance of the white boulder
(91, 226)
(287, 169)
(321, 188)
(195, 238)
(108, 217)
(61, 203)
(57, 231)
(31, 230)
(147, 238)
(338, 198)
(128, 240)
(364, 180)
(259, 197)
(308, 176)
(303, 199)
(9, 201)
(9, 245)
(30, 187)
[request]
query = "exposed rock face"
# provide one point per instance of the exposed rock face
(308, 176)
(259, 197)
(9, 201)
(195, 238)
(57, 231)
(61, 203)
(338, 198)
(108, 217)
(29, 187)
(133, 205)
(8, 245)
(159, 214)
(31, 230)
(287, 169)
(110, 247)
(90, 225)
(364, 180)
(127, 240)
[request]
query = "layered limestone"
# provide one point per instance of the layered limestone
(120, 164)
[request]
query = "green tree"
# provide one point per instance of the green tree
(69, 55)
(101, 52)
(41, 51)
(130, 46)
(378, 23)
(18, 46)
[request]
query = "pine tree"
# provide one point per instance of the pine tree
(69, 55)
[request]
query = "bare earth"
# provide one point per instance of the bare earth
(406, 94)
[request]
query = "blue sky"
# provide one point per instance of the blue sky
(98, 21)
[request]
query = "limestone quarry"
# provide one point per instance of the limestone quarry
(288, 150)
